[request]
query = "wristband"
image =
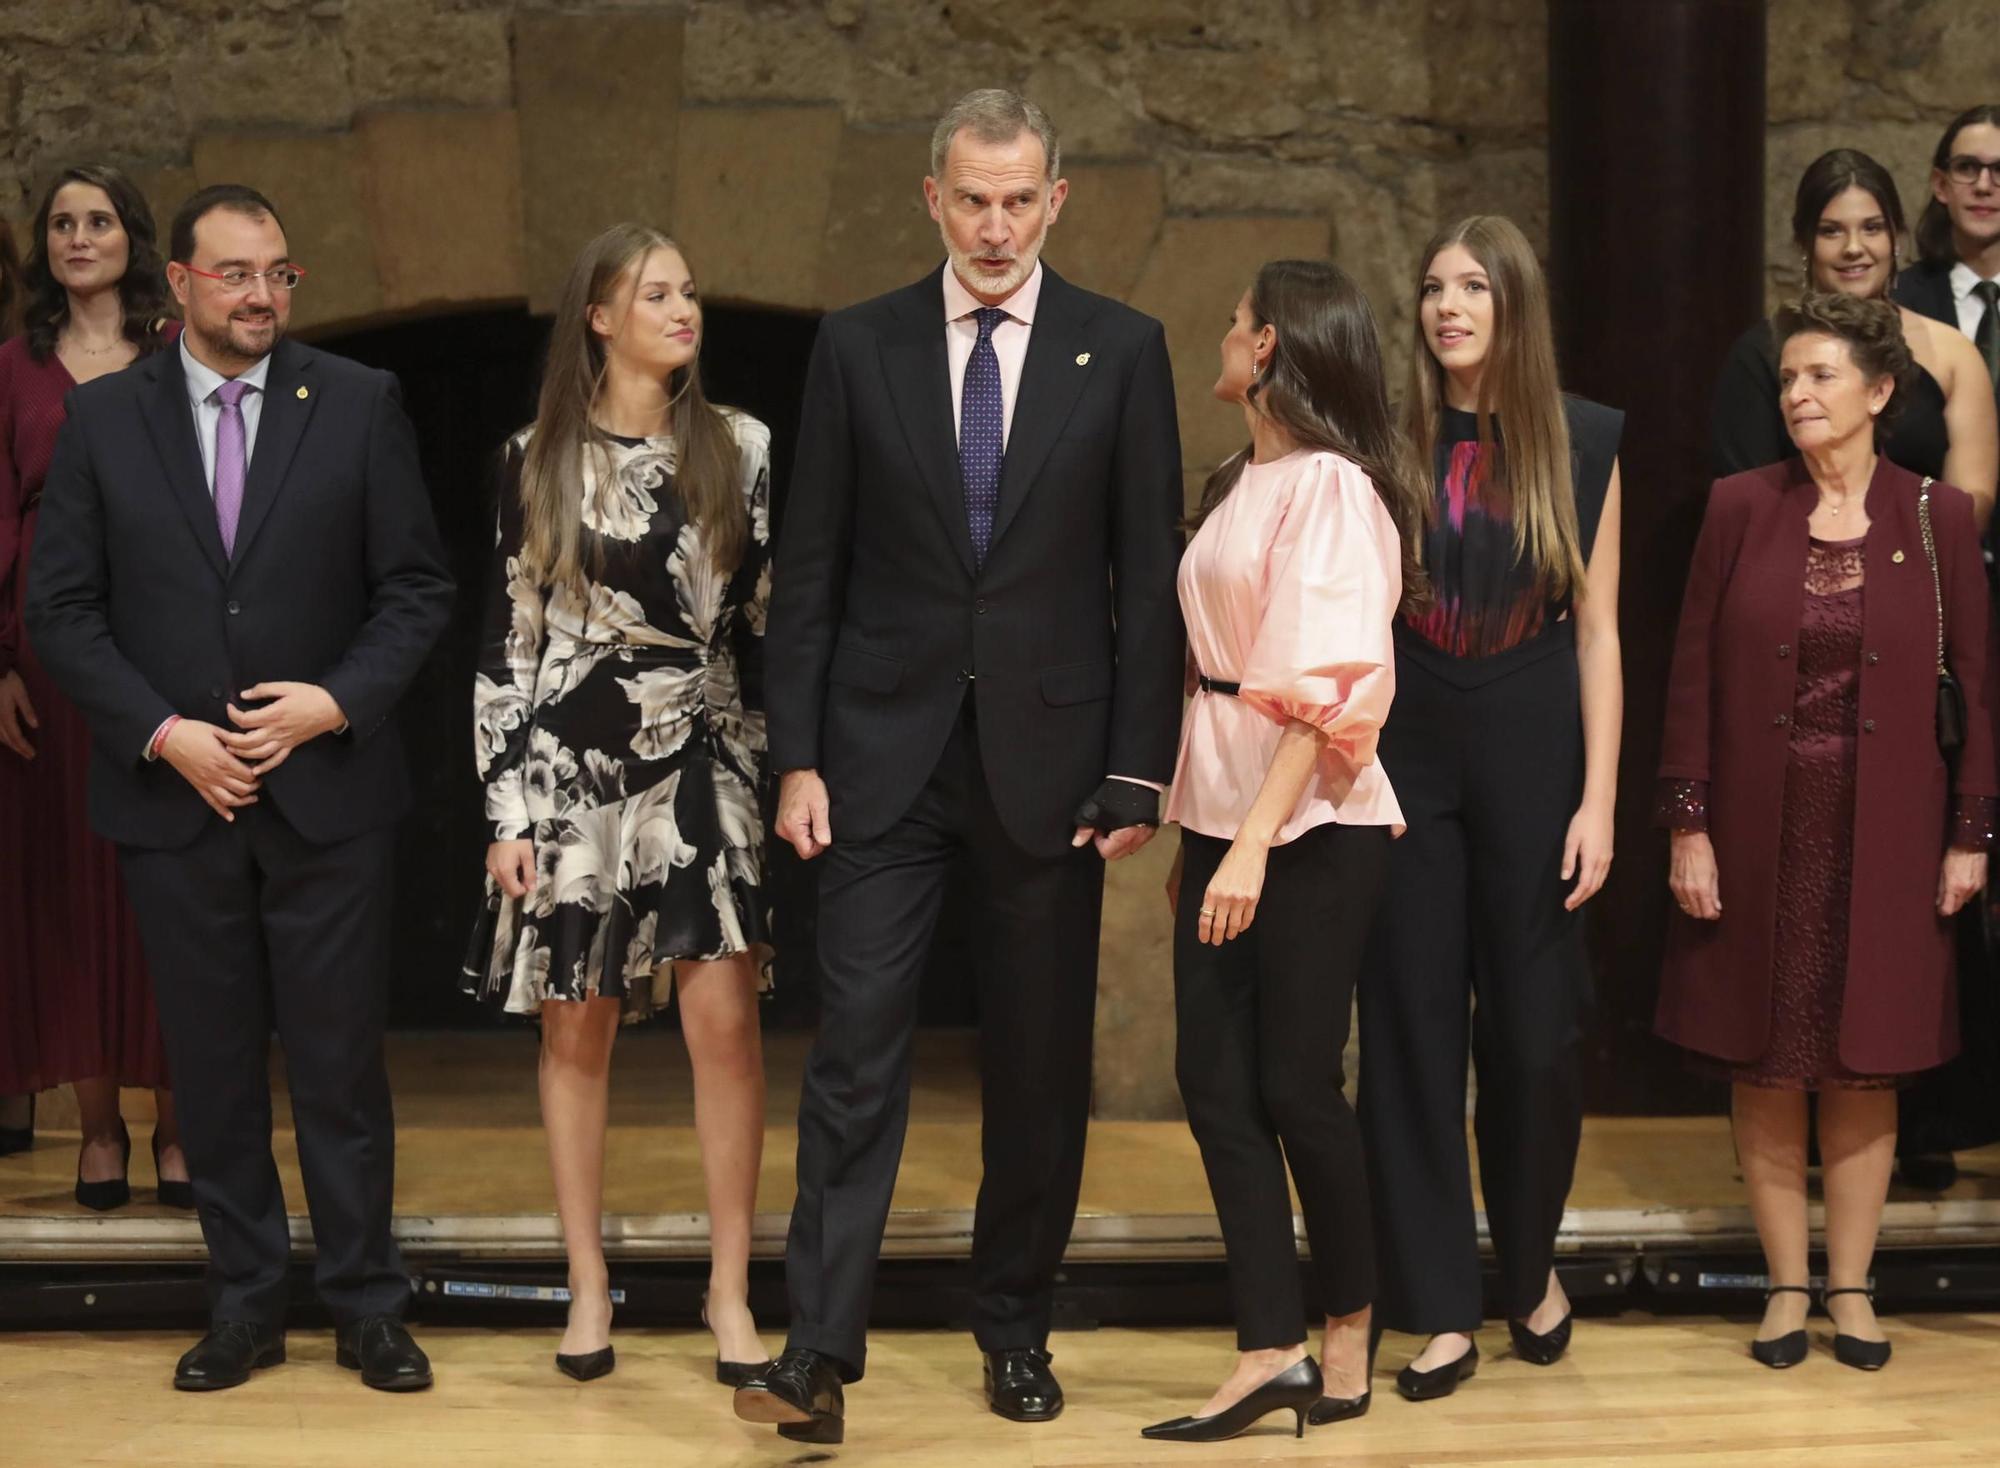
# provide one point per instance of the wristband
(160, 739)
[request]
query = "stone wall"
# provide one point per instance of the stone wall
(433, 154)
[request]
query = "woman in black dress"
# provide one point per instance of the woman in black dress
(620, 757)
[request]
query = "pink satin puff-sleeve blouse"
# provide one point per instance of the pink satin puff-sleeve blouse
(1289, 589)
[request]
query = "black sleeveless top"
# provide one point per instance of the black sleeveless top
(1486, 599)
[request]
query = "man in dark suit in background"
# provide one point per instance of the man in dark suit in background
(236, 577)
(974, 655)
(1956, 280)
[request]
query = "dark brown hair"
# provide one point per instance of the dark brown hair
(237, 198)
(1324, 387)
(708, 465)
(1934, 243)
(1829, 176)
(10, 283)
(142, 290)
(1873, 332)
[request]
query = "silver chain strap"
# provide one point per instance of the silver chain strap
(1930, 554)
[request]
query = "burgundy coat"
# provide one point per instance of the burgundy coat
(1729, 722)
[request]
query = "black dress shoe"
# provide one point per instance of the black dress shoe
(1344, 1409)
(1851, 1350)
(1020, 1386)
(1439, 1381)
(588, 1366)
(171, 1194)
(1788, 1349)
(380, 1349)
(227, 1355)
(800, 1392)
(1928, 1174)
(1544, 1349)
(113, 1192)
(1295, 1389)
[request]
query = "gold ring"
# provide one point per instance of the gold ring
(1208, 912)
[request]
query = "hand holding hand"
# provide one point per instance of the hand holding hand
(512, 865)
(17, 716)
(802, 813)
(1696, 884)
(200, 752)
(1120, 816)
(296, 713)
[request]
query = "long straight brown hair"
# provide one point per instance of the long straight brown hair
(1519, 389)
(553, 546)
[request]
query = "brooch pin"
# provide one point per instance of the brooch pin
(1083, 359)
(1897, 558)
(302, 392)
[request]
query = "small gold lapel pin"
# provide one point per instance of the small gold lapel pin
(302, 392)
(1083, 359)
(1897, 558)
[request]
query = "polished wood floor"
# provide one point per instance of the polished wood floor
(1634, 1390)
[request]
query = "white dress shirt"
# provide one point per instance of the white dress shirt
(1010, 341)
(201, 385)
(1970, 308)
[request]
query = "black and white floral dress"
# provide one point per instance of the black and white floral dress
(612, 730)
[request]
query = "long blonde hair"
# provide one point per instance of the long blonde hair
(1520, 389)
(553, 546)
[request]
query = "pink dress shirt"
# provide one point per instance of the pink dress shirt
(1289, 589)
(1010, 341)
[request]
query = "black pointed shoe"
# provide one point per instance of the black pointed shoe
(1788, 1349)
(1852, 1350)
(800, 1393)
(731, 1373)
(171, 1194)
(1544, 1349)
(1020, 1386)
(1439, 1381)
(114, 1192)
(1344, 1409)
(1294, 1390)
(380, 1349)
(227, 1355)
(589, 1365)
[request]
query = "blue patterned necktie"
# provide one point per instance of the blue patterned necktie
(982, 433)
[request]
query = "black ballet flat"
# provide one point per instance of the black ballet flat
(113, 1192)
(171, 1194)
(1788, 1349)
(1851, 1350)
(19, 1138)
(1439, 1381)
(1329, 1410)
(589, 1366)
(1544, 1349)
(1295, 1389)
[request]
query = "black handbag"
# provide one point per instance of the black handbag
(1950, 697)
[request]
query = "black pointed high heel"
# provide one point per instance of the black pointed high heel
(731, 1374)
(1344, 1409)
(171, 1194)
(588, 1366)
(1545, 1348)
(1851, 1350)
(1439, 1381)
(113, 1192)
(1788, 1349)
(1294, 1389)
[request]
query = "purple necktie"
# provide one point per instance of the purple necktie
(230, 458)
(982, 426)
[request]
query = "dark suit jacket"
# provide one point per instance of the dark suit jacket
(1070, 631)
(337, 579)
(1729, 709)
(1926, 288)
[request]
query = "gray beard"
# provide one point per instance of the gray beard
(1023, 264)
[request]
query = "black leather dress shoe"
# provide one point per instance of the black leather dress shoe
(227, 1355)
(799, 1392)
(380, 1349)
(1928, 1173)
(1020, 1386)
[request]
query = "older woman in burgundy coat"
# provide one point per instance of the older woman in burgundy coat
(1820, 841)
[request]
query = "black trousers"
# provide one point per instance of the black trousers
(1035, 933)
(249, 928)
(1488, 779)
(1261, 1025)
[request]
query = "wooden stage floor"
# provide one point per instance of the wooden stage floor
(1677, 1393)
(472, 1172)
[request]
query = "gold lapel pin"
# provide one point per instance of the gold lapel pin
(1897, 558)
(302, 392)
(1083, 359)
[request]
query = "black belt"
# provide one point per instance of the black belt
(1216, 685)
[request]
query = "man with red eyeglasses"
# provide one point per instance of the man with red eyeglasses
(237, 576)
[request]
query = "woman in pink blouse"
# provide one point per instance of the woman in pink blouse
(1302, 554)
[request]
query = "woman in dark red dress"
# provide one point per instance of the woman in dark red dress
(1820, 844)
(76, 1002)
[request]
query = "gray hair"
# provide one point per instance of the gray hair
(995, 116)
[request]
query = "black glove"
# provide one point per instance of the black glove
(1117, 804)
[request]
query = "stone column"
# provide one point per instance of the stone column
(1656, 194)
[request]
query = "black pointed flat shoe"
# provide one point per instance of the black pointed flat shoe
(1544, 1349)
(588, 1366)
(1294, 1390)
(1439, 1381)
(1852, 1350)
(1788, 1349)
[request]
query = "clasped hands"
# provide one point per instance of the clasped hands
(226, 767)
